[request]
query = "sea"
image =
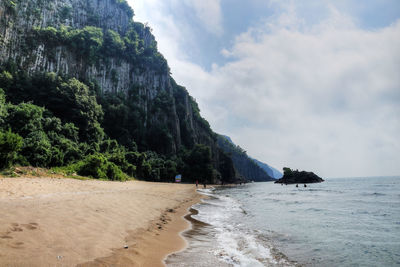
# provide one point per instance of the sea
(340, 222)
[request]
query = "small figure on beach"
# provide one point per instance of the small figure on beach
(297, 185)
(197, 183)
(305, 185)
(204, 185)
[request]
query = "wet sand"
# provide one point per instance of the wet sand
(68, 222)
(200, 251)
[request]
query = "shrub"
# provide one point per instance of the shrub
(10, 144)
(93, 166)
(130, 170)
(57, 157)
(114, 173)
(37, 149)
(72, 151)
(97, 166)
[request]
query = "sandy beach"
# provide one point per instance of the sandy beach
(69, 222)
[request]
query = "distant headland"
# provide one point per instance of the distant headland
(298, 177)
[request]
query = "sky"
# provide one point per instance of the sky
(311, 85)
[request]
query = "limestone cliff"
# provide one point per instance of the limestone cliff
(20, 19)
(69, 38)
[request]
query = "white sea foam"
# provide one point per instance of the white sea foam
(235, 245)
(346, 222)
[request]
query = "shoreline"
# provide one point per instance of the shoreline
(62, 221)
(152, 246)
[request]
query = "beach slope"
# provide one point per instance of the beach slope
(67, 222)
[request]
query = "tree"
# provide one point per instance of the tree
(37, 149)
(113, 44)
(71, 101)
(3, 109)
(287, 171)
(169, 170)
(24, 118)
(87, 42)
(226, 167)
(199, 163)
(6, 79)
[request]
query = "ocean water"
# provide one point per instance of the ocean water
(340, 222)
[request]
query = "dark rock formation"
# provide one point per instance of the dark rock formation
(296, 177)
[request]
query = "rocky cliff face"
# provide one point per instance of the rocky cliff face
(20, 21)
(244, 165)
(19, 17)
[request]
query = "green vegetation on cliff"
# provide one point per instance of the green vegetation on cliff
(95, 44)
(95, 97)
(63, 126)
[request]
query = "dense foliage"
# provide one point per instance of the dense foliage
(67, 124)
(97, 45)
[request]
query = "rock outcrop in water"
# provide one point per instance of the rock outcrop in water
(298, 177)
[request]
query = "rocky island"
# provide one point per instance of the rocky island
(298, 177)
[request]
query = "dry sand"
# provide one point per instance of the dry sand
(68, 222)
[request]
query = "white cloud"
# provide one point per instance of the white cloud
(209, 13)
(322, 97)
(172, 34)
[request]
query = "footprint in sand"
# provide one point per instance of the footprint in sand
(30, 226)
(15, 228)
(16, 245)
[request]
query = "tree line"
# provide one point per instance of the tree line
(47, 120)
